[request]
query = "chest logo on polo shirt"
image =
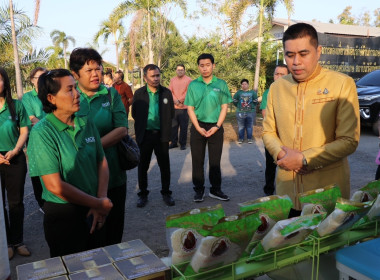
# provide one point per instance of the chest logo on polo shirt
(107, 104)
(90, 139)
(216, 89)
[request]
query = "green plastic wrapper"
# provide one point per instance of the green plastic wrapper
(344, 216)
(325, 197)
(271, 210)
(226, 242)
(185, 231)
(373, 188)
(287, 232)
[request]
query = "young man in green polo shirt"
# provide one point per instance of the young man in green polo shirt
(153, 111)
(207, 99)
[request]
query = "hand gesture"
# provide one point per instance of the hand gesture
(3, 160)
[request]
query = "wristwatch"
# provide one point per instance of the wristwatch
(218, 127)
(304, 161)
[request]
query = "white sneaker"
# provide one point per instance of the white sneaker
(240, 141)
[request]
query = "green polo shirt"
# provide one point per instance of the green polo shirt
(33, 105)
(9, 129)
(106, 117)
(153, 122)
(207, 98)
(264, 99)
(245, 101)
(73, 152)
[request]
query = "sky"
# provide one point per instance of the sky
(81, 18)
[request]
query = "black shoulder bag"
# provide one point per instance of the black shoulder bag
(127, 149)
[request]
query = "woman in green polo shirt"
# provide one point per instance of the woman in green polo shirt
(33, 108)
(105, 108)
(13, 134)
(66, 152)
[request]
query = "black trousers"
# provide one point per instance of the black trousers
(37, 189)
(377, 176)
(115, 219)
(150, 143)
(12, 183)
(198, 150)
(181, 121)
(67, 229)
(270, 170)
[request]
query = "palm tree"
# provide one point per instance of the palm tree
(15, 53)
(60, 38)
(268, 6)
(36, 12)
(111, 26)
(146, 8)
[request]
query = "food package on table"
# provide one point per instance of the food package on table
(184, 231)
(322, 199)
(271, 210)
(308, 209)
(372, 188)
(345, 215)
(361, 196)
(226, 242)
(288, 232)
(373, 214)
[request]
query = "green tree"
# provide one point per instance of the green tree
(376, 13)
(16, 33)
(60, 38)
(346, 17)
(146, 9)
(112, 26)
(365, 19)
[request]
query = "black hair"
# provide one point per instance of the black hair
(180, 65)
(150, 67)
(281, 65)
(108, 73)
(205, 56)
(244, 80)
(8, 94)
(49, 84)
(301, 30)
(80, 56)
(121, 74)
(34, 71)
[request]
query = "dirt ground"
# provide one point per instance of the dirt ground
(243, 167)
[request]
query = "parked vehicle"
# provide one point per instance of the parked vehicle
(369, 100)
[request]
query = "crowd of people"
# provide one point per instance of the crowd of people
(72, 120)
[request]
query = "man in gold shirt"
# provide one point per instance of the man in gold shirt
(312, 120)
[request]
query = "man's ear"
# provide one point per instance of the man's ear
(76, 76)
(319, 51)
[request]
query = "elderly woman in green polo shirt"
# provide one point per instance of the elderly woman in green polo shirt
(33, 108)
(105, 108)
(66, 152)
(13, 134)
